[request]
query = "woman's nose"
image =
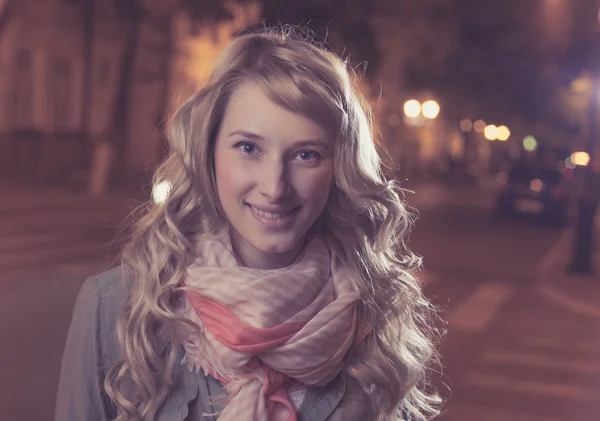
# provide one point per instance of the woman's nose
(275, 184)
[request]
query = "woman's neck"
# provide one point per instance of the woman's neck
(255, 258)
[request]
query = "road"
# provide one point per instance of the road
(508, 353)
(49, 242)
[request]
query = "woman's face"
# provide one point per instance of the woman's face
(274, 169)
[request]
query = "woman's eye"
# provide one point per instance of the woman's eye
(308, 155)
(247, 148)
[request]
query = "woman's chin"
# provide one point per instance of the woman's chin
(277, 247)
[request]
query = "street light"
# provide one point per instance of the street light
(431, 109)
(466, 125)
(581, 159)
(503, 133)
(491, 132)
(587, 203)
(529, 143)
(479, 126)
(412, 108)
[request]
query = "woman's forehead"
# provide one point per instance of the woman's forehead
(251, 111)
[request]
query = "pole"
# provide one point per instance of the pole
(583, 242)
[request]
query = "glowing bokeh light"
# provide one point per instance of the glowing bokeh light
(491, 132)
(536, 185)
(580, 158)
(479, 126)
(503, 133)
(466, 125)
(431, 109)
(529, 143)
(160, 192)
(569, 164)
(412, 108)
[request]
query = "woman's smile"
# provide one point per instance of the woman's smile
(275, 219)
(274, 171)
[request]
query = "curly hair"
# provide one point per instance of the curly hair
(365, 217)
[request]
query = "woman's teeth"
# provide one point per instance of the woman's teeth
(269, 215)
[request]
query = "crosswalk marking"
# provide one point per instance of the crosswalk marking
(560, 344)
(574, 305)
(539, 388)
(60, 200)
(484, 413)
(540, 360)
(478, 310)
(36, 223)
(47, 253)
(26, 239)
(535, 375)
(70, 237)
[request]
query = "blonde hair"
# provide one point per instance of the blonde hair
(365, 217)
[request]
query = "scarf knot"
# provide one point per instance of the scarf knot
(260, 328)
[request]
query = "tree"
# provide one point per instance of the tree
(492, 72)
(6, 10)
(513, 56)
(373, 34)
(386, 41)
(414, 38)
(87, 14)
(512, 69)
(161, 15)
(340, 24)
(131, 15)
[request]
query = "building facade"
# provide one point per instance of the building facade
(45, 132)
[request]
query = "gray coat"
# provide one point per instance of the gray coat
(92, 347)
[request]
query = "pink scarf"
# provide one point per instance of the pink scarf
(262, 327)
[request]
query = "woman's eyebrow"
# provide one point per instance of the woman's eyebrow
(245, 133)
(317, 142)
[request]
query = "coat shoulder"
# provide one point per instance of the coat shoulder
(110, 281)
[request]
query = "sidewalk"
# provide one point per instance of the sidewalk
(429, 194)
(60, 234)
(579, 294)
(18, 197)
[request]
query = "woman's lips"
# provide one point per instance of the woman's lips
(275, 219)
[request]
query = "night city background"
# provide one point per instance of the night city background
(487, 110)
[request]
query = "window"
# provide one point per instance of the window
(103, 73)
(20, 107)
(24, 61)
(59, 92)
(215, 32)
(195, 27)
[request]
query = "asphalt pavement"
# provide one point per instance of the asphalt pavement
(513, 351)
(523, 341)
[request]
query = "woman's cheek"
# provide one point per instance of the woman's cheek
(319, 183)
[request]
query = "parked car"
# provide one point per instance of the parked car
(535, 190)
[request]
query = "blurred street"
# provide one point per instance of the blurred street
(490, 108)
(54, 232)
(523, 341)
(514, 349)
(50, 241)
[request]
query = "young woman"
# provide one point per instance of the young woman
(274, 282)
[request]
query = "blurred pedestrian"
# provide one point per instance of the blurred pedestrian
(273, 282)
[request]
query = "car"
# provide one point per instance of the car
(529, 189)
